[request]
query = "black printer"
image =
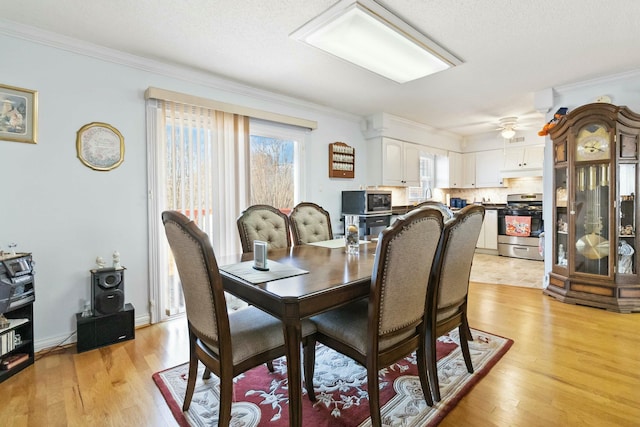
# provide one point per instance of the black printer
(16, 281)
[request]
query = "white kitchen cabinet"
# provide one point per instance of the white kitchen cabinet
(488, 165)
(449, 170)
(455, 169)
(523, 161)
(393, 163)
(469, 170)
(488, 238)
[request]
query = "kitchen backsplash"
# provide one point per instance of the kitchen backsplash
(399, 195)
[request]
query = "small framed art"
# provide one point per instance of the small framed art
(100, 146)
(18, 114)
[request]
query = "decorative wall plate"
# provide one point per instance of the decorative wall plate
(100, 146)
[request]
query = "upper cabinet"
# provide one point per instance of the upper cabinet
(449, 170)
(523, 161)
(393, 163)
(487, 168)
(469, 170)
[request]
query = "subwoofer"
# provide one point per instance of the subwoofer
(107, 290)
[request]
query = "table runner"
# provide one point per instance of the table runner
(336, 243)
(245, 271)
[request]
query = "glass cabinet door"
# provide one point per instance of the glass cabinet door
(627, 185)
(561, 249)
(592, 202)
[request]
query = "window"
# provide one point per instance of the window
(276, 156)
(210, 165)
(425, 191)
(198, 165)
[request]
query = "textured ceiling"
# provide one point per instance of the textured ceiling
(510, 49)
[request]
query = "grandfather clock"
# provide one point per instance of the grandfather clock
(595, 211)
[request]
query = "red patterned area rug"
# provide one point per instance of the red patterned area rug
(260, 397)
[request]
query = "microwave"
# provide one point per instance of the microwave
(366, 202)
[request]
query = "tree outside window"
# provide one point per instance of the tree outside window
(275, 162)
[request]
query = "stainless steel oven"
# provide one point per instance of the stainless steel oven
(520, 225)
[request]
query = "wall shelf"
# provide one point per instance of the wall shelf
(342, 162)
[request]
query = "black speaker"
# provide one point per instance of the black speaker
(100, 331)
(107, 290)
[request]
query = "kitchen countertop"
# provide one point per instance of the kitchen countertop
(403, 209)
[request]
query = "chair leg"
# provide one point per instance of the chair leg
(432, 364)
(374, 396)
(270, 366)
(207, 374)
(467, 328)
(468, 333)
(309, 367)
(193, 373)
(424, 380)
(464, 345)
(226, 396)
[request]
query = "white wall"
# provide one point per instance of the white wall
(67, 214)
(493, 141)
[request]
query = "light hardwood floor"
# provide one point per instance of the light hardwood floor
(569, 366)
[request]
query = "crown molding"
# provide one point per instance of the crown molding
(613, 78)
(81, 47)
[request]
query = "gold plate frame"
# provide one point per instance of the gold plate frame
(18, 114)
(100, 146)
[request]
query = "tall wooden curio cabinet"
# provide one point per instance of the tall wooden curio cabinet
(595, 210)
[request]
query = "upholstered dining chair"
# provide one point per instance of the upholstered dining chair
(310, 223)
(227, 344)
(448, 291)
(389, 324)
(266, 223)
(446, 212)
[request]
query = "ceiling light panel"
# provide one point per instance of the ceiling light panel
(368, 35)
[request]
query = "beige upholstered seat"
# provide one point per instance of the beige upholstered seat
(310, 223)
(227, 344)
(389, 324)
(450, 285)
(266, 223)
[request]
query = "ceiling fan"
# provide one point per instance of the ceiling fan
(508, 127)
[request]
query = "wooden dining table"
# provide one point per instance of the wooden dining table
(333, 278)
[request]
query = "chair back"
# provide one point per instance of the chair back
(447, 213)
(404, 256)
(453, 268)
(266, 223)
(310, 223)
(199, 277)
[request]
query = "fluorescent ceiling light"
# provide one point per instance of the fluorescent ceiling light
(368, 35)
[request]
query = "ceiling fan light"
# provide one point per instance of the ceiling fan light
(508, 133)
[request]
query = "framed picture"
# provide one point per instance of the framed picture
(18, 114)
(100, 146)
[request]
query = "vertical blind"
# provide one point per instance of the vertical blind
(201, 170)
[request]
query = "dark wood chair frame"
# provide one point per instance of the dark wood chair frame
(437, 327)
(221, 363)
(294, 224)
(245, 240)
(374, 359)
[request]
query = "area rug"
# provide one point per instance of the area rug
(260, 397)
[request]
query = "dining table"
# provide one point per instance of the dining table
(318, 277)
